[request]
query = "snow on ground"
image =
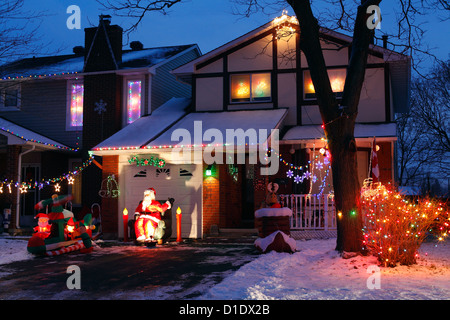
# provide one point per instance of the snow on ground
(314, 272)
(12, 249)
(318, 272)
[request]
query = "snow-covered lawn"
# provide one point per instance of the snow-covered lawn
(318, 272)
(315, 272)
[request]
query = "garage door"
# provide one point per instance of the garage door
(181, 182)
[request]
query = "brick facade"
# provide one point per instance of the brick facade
(110, 205)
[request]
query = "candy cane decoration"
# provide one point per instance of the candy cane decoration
(71, 248)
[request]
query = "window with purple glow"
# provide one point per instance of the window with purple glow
(76, 105)
(134, 100)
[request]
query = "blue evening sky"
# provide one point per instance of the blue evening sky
(209, 23)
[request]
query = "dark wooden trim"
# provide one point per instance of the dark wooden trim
(344, 66)
(299, 80)
(234, 49)
(387, 93)
(274, 72)
(226, 84)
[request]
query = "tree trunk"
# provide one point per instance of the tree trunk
(339, 121)
(342, 146)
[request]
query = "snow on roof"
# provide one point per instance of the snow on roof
(361, 131)
(74, 63)
(19, 135)
(220, 123)
(148, 127)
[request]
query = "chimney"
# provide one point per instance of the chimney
(103, 46)
(78, 50)
(136, 45)
(385, 39)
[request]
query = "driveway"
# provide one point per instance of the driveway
(126, 272)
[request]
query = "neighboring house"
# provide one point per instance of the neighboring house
(257, 81)
(62, 106)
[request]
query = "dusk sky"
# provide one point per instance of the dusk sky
(209, 23)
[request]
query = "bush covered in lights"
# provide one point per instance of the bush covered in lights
(395, 227)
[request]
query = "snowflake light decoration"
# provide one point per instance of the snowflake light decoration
(100, 106)
(290, 173)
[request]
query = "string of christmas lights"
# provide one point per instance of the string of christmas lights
(25, 186)
(38, 76)
(395, 226)
(37, 141)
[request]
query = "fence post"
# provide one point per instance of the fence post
(325, 211)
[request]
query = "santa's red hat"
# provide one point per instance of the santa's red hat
(149, 191)
(41, 215)
(71, 222)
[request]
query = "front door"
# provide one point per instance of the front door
(248, 199)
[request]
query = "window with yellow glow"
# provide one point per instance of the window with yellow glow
(250, 87)
(337, 81)
(134, 100)
(76, 104)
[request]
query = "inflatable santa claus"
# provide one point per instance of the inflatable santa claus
(148, 215)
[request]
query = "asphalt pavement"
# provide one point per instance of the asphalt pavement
(117, 271)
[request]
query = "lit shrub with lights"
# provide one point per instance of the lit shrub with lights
(395, 227)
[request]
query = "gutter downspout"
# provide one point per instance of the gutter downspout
(19, 182)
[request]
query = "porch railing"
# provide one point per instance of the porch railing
(311, 212)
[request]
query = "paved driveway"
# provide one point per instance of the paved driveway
(172, 271)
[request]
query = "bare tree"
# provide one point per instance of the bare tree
(18, 31)
(423, 138)
(137, 8)
(338, 117)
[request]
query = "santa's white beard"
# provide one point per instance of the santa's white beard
(146, 203)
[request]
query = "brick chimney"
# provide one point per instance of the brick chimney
(103, 46)
(103, 52)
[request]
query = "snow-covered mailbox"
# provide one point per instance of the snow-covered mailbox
(274, 230)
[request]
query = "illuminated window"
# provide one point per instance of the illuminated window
(134, 95)
(76, 104)
(250, 88)
(337, 81)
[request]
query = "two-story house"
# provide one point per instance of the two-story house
(54, 109)
(257, 83)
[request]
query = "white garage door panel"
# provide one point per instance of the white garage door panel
(181, 182)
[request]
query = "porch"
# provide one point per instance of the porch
(311, 212)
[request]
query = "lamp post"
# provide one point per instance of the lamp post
(125, 225)
(179, 225)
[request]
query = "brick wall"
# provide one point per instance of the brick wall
(211, 200)
(109, 206)
(98, 127)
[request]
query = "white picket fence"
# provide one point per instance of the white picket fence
(311, 212)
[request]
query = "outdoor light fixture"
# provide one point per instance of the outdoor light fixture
(208, 171)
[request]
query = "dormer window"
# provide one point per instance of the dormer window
(250, 88)
(337, 81)
(10, 97)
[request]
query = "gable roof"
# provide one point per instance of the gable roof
(330, 35)
(37, 67)
(146, 128)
